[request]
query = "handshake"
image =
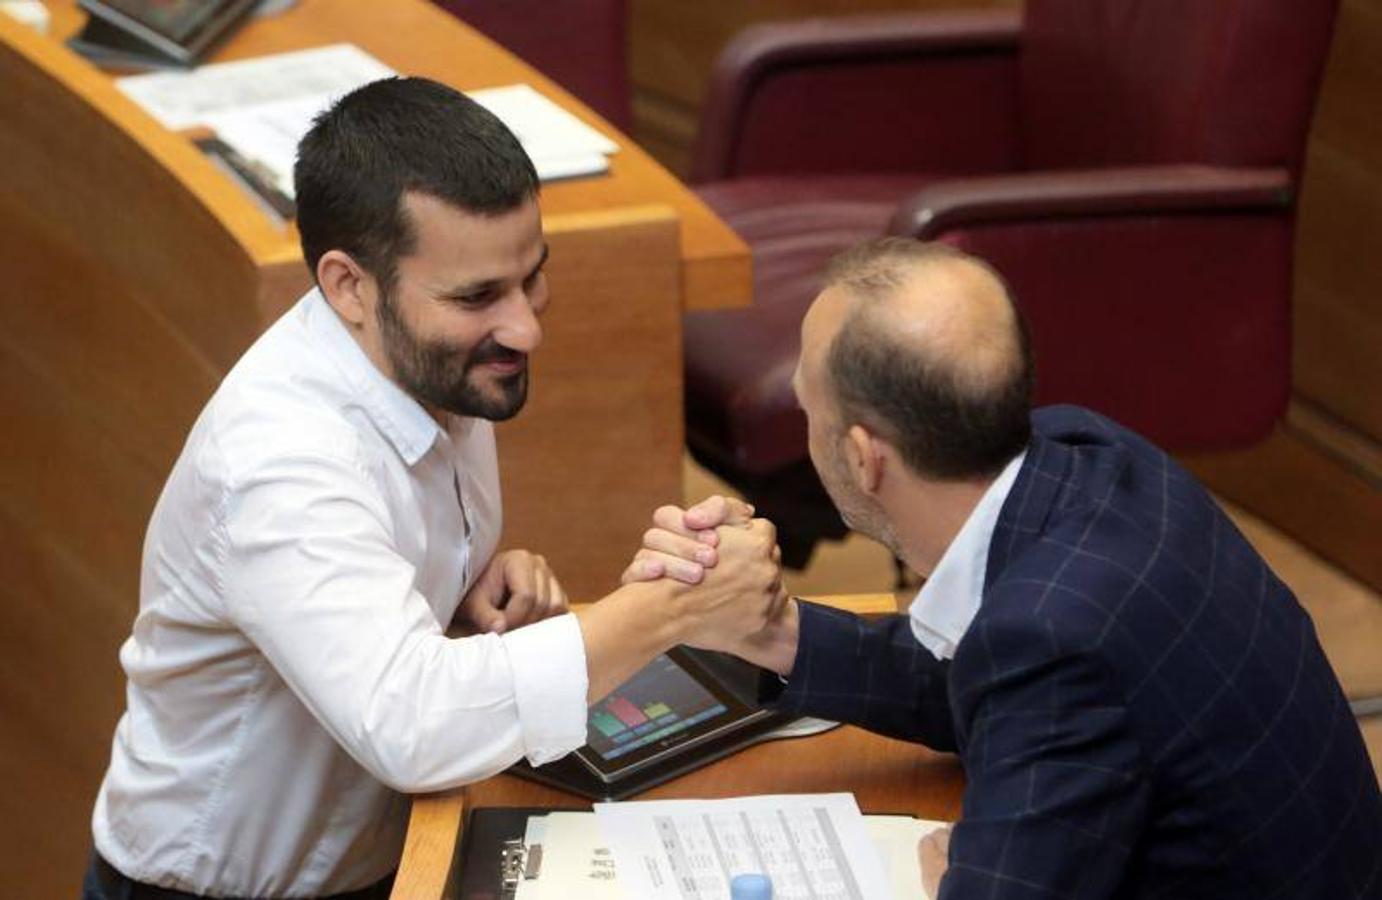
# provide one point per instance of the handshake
(725, 573)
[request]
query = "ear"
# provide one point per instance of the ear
(864, 453)
(349, 289)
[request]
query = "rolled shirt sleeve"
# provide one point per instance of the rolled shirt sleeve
(550, 686)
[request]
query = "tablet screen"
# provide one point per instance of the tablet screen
(657, 703)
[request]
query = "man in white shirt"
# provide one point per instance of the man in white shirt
(335, 507)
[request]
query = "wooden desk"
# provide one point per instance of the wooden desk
(885, 775)
(136, 273)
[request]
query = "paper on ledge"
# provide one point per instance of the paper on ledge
(262, 108)
(186, 99)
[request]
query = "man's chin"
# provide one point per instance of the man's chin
(498, 402)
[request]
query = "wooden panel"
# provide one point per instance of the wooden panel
(1338, 321)
(1305, 491)
(590, 458)
(125, 298)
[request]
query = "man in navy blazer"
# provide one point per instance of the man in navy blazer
(1141, 706)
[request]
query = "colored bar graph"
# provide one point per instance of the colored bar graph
(654, 710)
(629, 714)
(608, 725)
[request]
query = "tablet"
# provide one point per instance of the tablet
(683, 710)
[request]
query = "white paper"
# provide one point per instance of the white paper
(262, 108)
(541, 126)
(186, 99)
(896, 838)
(269, 133)
(576, 861)
(811, 845)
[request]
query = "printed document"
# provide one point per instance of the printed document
(812, 846)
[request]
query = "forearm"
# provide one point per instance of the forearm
(869, 673)
(626, 630)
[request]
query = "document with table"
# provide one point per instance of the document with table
(815, 846)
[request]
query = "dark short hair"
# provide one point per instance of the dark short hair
(386, 139)
(944, 425)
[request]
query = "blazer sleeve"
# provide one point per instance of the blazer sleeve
(870, 673)
(1056, 791)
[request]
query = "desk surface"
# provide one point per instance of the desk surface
(418, 38)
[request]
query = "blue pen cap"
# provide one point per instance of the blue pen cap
(751, 887)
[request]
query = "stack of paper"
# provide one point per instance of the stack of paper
(811, 846)
(262, 107)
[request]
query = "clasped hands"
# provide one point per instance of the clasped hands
(729, 569)
(724, 566)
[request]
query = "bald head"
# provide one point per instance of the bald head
(923, 344)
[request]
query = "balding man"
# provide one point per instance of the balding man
(1141, 707)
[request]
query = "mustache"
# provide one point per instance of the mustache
(493, 351)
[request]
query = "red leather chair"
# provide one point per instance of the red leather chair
(1130, 166)
(580, 44)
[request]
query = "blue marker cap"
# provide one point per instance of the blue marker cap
(751, 887)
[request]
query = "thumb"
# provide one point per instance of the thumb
(488, 619)
(483, 599)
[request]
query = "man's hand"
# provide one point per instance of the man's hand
(934, 853)
(515, 589)
(741, 595)
(682, 544)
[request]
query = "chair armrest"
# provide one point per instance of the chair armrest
(824, 78)
(1088, 193)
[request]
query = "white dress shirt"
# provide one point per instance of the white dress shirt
(950, 598)
(288, 671)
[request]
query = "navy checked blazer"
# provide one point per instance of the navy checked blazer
(1141, 707)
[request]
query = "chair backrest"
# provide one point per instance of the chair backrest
(1128, 82)
(580, 44)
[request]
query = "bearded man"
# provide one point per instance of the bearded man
(335, 507)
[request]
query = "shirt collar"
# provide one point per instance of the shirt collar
(400, 418)
(949, 599)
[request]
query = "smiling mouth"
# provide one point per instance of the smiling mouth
(502, 364)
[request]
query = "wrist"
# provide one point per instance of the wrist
(775, 647)
(655, 612)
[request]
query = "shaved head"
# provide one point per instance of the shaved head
(924, 345)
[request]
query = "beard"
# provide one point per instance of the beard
(441, 374)
(857, 511)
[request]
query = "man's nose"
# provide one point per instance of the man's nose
(518, 328)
